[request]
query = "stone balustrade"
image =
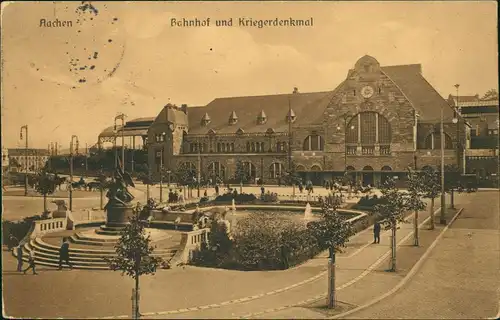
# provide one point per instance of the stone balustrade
(190, 241)
(47, 226)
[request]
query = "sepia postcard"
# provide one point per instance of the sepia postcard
(250, 160)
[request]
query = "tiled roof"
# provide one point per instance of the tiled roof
(144, 119)
(128, 132)
(309, 107)
(248, 108)
(424, 98)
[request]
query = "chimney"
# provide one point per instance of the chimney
(184, 108)
(295, 90)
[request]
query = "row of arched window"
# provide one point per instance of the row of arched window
(217, 169)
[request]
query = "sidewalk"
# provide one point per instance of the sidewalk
(359, 262)
(208, 293)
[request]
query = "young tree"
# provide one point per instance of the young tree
(431, 189)
(187, 176)
(332, 232)
(292, 178)
(390, 212)
(145, 178)
(241, 173)
(413, 199)
(45, 185)
(135, 257)
(491, 94)
(452, 182)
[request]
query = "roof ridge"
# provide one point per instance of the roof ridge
(402, 65)
(272, 95)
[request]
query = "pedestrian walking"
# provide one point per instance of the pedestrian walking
(64, 254)
(31, 262)
(13, 242)
(376, 232)
(19, 251)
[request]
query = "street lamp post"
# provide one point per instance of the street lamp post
(346, 116)
(199, 168)
(25, 127)
(457, 111)
(71, 171)
(86, 160)
(121, 117)
(161, 167)
(442, 219)
(290, 140)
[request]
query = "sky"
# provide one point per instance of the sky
(126, 57)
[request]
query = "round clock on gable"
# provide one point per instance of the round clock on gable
(171, 126)
(367, 91)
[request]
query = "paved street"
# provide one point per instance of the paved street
(217, 291)
(460, 279)
(210, 293)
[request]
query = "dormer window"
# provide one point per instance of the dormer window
(270, 131)
(211, 132)
(290, 117)
(205, 120)
(240, 131)
(261, 118)
(233, 119)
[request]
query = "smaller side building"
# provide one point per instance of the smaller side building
(482, 154)
(27, 160)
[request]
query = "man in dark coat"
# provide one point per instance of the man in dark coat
(64, 254)
(376, 232)
(19, 252)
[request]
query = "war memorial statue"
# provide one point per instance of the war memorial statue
(119, 208)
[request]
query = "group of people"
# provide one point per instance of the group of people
(175, 196)
(63, 257)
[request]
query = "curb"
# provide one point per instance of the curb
(408, 277)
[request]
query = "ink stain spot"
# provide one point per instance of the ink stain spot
(115, 19)
(109, 40)
(92, 67)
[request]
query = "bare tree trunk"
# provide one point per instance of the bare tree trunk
(101, 204)
(331, 281)
(147, 192)
(415, 229)
(44, 203)
(137, 313)
(431, 226)
(393, 249)
(452, 204)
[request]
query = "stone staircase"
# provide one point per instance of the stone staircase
(92, 259)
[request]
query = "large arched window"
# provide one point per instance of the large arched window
(216, 169)
(433, 141)
(300, 168)
(368, 128)
(249, 168)
(313, 143)
(277, 170)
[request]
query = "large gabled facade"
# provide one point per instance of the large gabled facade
(378, 122)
